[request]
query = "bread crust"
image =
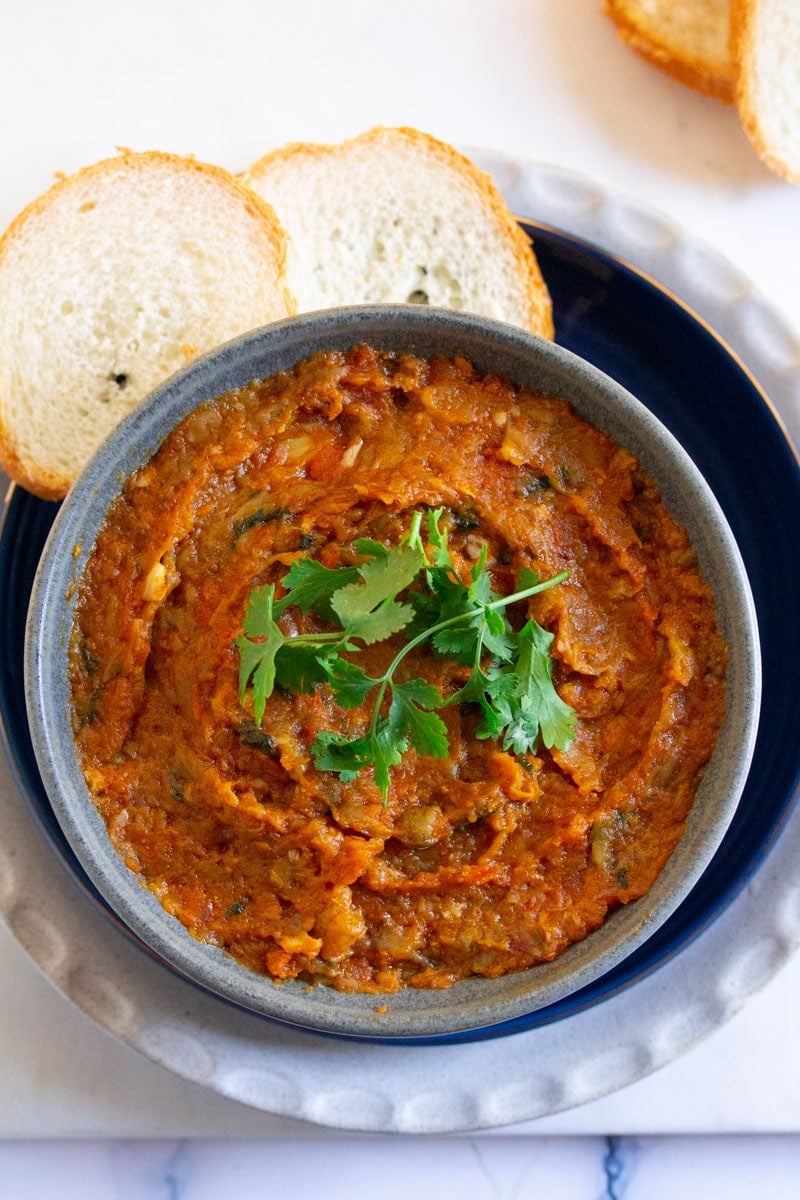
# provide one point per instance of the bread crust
(36, 476)
(693, 71)
(540, 317)
(44, 483)
(744, 15)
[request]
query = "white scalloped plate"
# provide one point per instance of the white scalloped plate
(448, 1088)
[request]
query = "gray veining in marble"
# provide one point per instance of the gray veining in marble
(385, 1168)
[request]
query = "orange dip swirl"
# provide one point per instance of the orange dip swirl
(481, 863)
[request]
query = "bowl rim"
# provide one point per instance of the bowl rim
(470, 1004)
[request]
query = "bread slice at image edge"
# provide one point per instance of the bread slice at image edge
(686, 38)
(393, 216)
(111, 281)
(765, 43)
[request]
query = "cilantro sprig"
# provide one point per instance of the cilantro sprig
(413, 587)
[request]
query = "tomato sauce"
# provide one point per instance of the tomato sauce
(481, 863)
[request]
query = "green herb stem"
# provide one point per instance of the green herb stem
(544, 586)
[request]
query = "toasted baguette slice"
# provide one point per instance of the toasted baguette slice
(687, 38)
(765, 41)
(108, 283)
(394, 216)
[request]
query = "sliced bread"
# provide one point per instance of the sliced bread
(108, 283)
(765, 41)
(687, 38)
(396, 216)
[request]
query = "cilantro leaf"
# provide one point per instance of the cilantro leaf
(461, 617)
(437, 540)
(409, 717)
(349, 683)
(258, 618)
(389, 618)
(387, 751)
(462, 641)
(491, 690)
(310, 586)
(381, 580)
(541, 709)
(346, 756)
(519, 701)
(370, 548)
(300, 666)
(481, 627)
(251, 654)
(497, 635)
(383, 746)
(480, 591)
(258, 658)
(349, 756)
(367, 609)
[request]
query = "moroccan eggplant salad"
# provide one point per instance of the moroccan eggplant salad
(387, 673)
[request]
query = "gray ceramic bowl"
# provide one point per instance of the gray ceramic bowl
(490, 346)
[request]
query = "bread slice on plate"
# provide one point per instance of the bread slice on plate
(109, 282)
(396, 216)
(765, 41)
(687, 38)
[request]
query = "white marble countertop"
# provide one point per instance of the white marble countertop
(540, 79)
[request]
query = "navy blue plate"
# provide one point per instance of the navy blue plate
(636, 332)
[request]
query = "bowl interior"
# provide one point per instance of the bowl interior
(491, 347)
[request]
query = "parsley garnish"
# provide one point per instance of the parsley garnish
(413, 587)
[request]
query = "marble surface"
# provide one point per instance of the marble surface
(542, 1168)
(541, 79)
